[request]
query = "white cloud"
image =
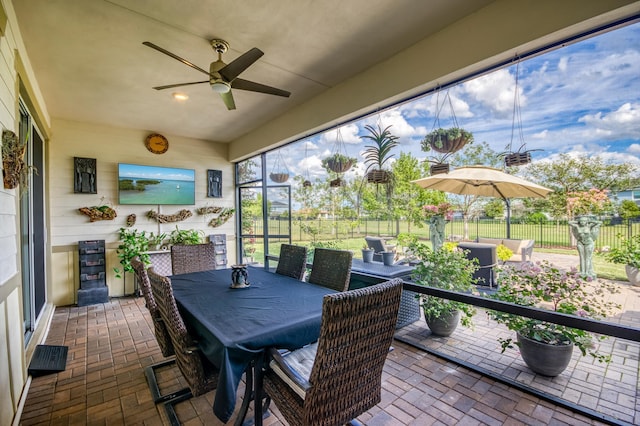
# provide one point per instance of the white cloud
(621, 123)
(496, 92)
(562, 64)
(634, 149)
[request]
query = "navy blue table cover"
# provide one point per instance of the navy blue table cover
(234, 326)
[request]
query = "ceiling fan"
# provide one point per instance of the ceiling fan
(224, 77)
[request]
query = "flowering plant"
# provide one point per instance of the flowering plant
(593, 201)
(543, 285)
(627, 253)
(442, 209)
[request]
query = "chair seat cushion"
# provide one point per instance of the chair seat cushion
(299, 362)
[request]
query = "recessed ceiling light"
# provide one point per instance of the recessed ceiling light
(180, 96)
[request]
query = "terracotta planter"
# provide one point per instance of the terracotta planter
(633, 275)
(444, 326)
(517, 159)
(336, 183)
(542, 358)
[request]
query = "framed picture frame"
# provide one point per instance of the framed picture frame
(214, 183)
(85, 176)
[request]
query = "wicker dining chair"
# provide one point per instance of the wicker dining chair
(292, 261)
(201, 375)
(162, 335)
(340, 377)
(187, 258)
(331, 268)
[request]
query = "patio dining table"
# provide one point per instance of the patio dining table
(234, 326)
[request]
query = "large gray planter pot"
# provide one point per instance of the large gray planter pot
(542, 358)
(445, 325)
(367, 256)
(633, 275)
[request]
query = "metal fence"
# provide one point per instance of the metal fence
(548, 234)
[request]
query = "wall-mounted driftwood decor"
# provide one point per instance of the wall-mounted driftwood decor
(14, 171)
(84, 175)
(214, 183)
(165, 218)
(96, 213)
(224, 213)
(131, 220)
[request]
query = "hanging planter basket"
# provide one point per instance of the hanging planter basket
(280, 171)
(517, 159)
(439, 168)
(379, 176)
(14, 170)
(336, 183)
(339, 163)
(446, 141)
(306, 184)
(279, 177)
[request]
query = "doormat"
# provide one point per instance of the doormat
(48, 359)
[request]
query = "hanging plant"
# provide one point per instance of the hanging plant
(379, 153)
(439, 168)
(446, 140)
(338, 163)
(280, 172)
(522, 156)
(306, 184)
(336, 183)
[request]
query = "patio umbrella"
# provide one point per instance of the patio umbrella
(486, 182)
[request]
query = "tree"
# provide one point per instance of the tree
(408, 198)
(629, 209)
(569, 173)
(494, 208)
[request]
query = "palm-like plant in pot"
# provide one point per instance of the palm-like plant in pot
(376, 155)
(627, 253)
(447, 268)
(546, 347)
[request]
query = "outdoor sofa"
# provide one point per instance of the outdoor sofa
(522, 249)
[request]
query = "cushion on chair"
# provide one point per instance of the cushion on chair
(299, 363)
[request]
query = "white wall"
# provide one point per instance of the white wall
(110, 146)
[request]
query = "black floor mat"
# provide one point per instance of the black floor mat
(48, 359)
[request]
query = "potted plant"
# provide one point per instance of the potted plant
(338, 163)
(627, 253)
(376, 155)
(546, 347)
(367, 254)
(156, 241)
(133, 243)
(446, 140)
(448, 269)
(186, 236)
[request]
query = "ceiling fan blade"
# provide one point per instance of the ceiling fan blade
(169, 86)
(227, 98)
(235, 67)
(176, 57)
(251, 86)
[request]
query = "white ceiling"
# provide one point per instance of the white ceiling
(91, 66)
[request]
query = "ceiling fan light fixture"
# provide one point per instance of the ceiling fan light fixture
(179, 96)
(220, 87)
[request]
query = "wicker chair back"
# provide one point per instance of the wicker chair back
(187, 258)
(292, 261)
(331, 268)
(200, 374)
(346, 378)
(159, 327)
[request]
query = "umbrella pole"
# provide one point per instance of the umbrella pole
(508, 203)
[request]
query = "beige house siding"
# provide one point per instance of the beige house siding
(110, 146)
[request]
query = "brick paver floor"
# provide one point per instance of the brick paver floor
(111, 343)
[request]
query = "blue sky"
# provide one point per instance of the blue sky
(583, 98)
(154, 172)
